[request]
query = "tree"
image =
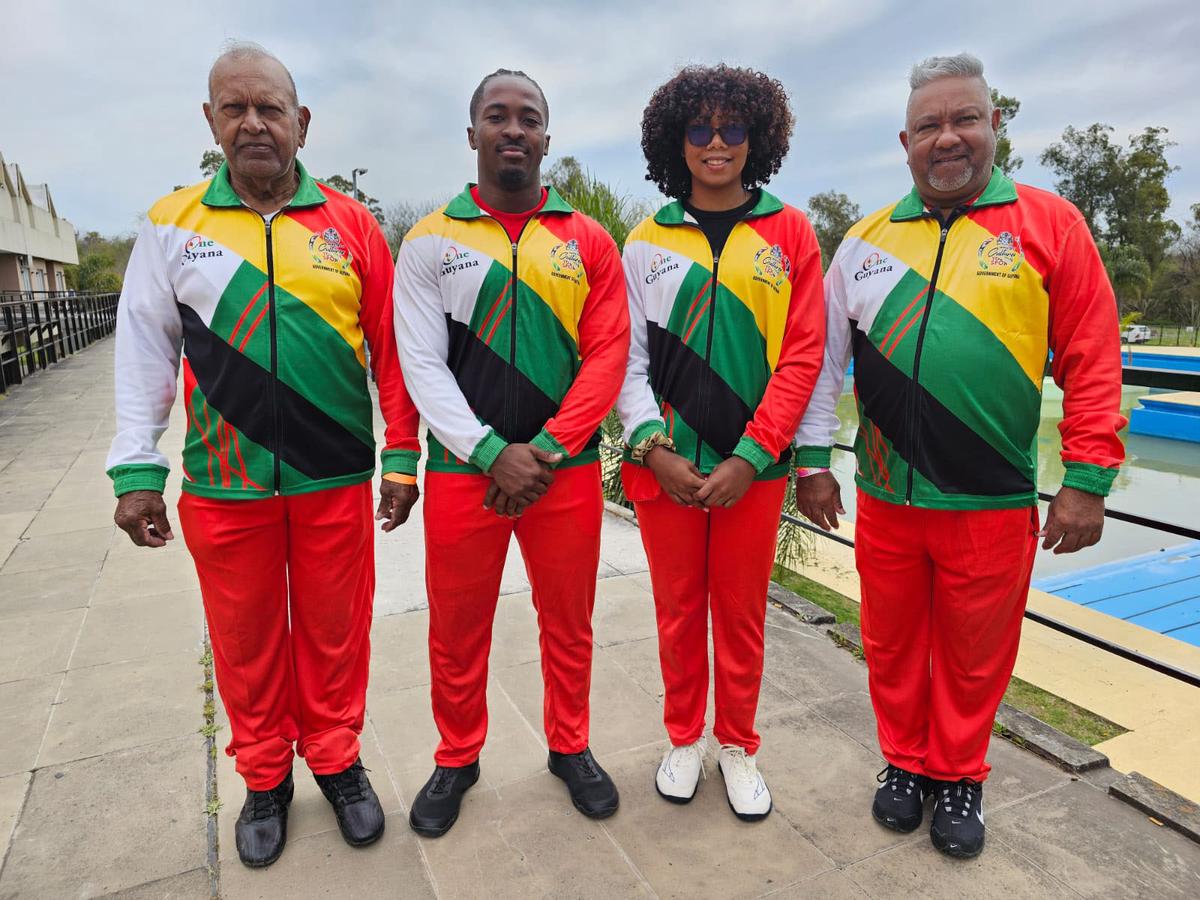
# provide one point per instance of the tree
(1009, 107)
(615, 212)
(399, 218)
(1129, 273)
(94, 274)
(1122, 193)
(346, 186)
(1179, 282)
(831, 213)
(210, 162)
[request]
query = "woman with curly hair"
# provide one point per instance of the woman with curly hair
(728, 334)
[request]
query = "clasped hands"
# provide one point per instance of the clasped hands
(521, 475)
(682, 482)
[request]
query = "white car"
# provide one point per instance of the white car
(1136, 334)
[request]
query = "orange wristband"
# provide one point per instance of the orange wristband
(399, 478)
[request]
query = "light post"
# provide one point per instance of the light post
(354, 173)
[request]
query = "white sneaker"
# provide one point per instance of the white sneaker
(748, 795)
(680, 771)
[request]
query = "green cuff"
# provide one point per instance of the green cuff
(647, 428)
(752, 452)
(403, 462)
(813, 457)
(487, 450)
(544, 440)
(138, 477)
(1089, 477)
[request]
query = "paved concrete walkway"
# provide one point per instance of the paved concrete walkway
(103, 771)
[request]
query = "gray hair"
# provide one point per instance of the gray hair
(236, 49)
(962, 65)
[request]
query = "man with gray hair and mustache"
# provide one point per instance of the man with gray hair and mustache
(950, 301)
(267, 284)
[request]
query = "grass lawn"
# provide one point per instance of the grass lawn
(1079, 723)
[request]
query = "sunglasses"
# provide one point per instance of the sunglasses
(702, 135)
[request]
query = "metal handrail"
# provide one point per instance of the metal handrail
(38, 328)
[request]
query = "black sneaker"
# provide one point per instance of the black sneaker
(900, 800)
(592, 791)
(435, 809)
(957, 828)
(359, 815)
(261, 829)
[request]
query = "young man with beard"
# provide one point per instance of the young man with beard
(511, 311)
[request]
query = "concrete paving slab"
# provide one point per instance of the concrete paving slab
(621, 546)
(1099, 845)
(624, 611)
(827, 886)
(193, 885)
(38, 643)
(140, 627)
(13, 524)
(13, 789)
(47, 589)
(103, 815)
(399, 652)
(57, 550)
(122, 705)
(82, 517)
(1160, 803)
(807, 664)
(916, 870)
(528, 841)
(673, 845)
(152, 572)
(323, 865)
(24, 710)
(622, 714)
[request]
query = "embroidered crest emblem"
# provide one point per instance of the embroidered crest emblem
(772, 266)
(328, 250)
(565, 261)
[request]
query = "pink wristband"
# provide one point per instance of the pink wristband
(806, 471)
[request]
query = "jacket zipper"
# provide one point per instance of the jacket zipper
(913, 428)
(706, 387)
(510, 379)
(277, 422)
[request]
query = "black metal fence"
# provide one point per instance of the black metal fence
(38, 328)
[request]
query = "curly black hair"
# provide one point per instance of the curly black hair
(756, 99)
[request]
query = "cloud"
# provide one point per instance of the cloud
(108, 106)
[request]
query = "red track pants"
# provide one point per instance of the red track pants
(465, 548)
(288, 584)
(719, 559)
(943, 594)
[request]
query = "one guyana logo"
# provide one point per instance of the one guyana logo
(659, 266)
(199, 247)
(1001, 256)
(329, 252)
(772, 267)
(565, 261)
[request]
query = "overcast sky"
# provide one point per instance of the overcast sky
(102, 100)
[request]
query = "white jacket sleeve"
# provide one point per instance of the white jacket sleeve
(422, 342)
(149, 340)
(815, 436)
(636, 406)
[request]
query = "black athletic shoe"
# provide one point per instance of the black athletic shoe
(900, 800)
(957, 828)
(261, 829)
(359, 815)
(435, 809)
(592, 791)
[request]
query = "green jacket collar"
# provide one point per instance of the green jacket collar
(999, 190)
(674, 212)
(221, 194)
(464, 206)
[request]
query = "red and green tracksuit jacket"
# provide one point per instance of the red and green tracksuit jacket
(724, 351)
(507, 342)
(270, 317)
(950, 326)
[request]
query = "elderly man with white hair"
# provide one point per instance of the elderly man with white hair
(268, 283)
(950, 302)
